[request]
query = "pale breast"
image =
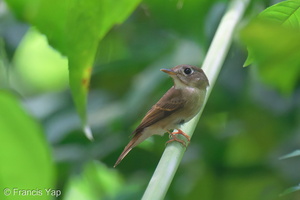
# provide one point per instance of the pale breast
(195, 99)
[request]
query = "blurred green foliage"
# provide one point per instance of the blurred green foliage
(38, 65)
(246, 126)
(25, 156)
(278, 61)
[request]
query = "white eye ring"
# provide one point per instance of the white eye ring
(188, 71)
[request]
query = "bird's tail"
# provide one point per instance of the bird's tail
(138, 138)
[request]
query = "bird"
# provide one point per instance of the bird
(177, 106)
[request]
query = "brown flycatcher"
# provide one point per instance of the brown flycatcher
(178, 106)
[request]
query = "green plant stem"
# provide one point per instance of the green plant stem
(169, 162)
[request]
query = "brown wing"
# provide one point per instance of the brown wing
(168, 104)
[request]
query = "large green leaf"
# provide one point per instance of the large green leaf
(75, 27)
(273, 44)
(275, 50)
(285, 13)
(25, 158)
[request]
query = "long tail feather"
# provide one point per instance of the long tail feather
(133, 142)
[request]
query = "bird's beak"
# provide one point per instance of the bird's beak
(168, 71)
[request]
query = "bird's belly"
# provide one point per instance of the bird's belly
(173, 121)
(154, 130)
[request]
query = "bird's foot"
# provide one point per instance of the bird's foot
(180, 132)
(174, 138)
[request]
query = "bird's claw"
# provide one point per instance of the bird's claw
(180, 132)
(174, 138)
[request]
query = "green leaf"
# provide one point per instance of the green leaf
(292, 154)
(272, 41)
(290, 190)
(75, 28)
(249, 59)
(25, 158)
(275, 50)
(286, 13)
(34, 52)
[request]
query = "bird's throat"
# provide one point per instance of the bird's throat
(178, 84)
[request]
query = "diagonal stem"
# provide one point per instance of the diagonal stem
(169, 162)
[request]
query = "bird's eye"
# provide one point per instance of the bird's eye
(187, 71)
